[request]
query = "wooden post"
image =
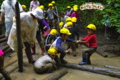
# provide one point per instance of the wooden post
(56, 75)
(20, 55)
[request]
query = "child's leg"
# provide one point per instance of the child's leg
(86, 53)
(28, 52)
(41, 44)
(58, 62)
(89, 54)
(73, 47)
(33, 49)
(47, 68)
(62, 55)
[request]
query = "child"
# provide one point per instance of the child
(91, 40)
(72, 30)
(75, 14)
(67, 20)
(2, 70)
(68, 11)
(63, 17)
(64, 33)
(44, 27)
(50, 15)
(76, 27)
(55, 11)
(46, 63)
(24, 8)
(50, 38)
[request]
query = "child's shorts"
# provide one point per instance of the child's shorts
(46, 32)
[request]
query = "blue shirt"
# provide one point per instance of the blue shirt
(59, 41)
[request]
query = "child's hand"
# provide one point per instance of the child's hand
(77, 41)
(45, 27)
(67, 50)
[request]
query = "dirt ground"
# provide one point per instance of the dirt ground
(109, 47)
(72, 74)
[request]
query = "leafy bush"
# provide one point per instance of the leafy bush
(113, 9)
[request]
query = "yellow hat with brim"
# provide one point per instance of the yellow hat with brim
(68, 19)
(68, 7)
(69, 24)
(52, 51)
(41, 7)
(50, 4)
(74, 19)
(75, 9)
(65, 31)
(53, 2)
(92, 27)
(61, 24)
(53, 32)
(24, 6)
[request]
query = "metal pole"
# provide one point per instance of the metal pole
(19, 53)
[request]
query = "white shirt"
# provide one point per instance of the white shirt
(28, 30)
(43, 61)
(8, 8)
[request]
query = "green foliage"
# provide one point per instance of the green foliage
(97, 17)
(113, 10)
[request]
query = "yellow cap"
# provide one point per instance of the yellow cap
(52, 51)
(69, 24)
(53, 2)
(41, 7)
(61, 24)
(50, 4)
(75, 9)
(92, 27)
(53, 32)
(38, 7)
(24, 6)
(75, 6)
(65, 31)
(68, 19)
(74, 19)
(68, 7)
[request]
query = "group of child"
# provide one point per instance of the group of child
(67, 32)
(54, 36)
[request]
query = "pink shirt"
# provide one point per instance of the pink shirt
(33, 5)
(75, 14)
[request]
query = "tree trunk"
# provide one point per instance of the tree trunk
(93, 69)
(56, 75)
(112, 67)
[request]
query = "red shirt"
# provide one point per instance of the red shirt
(91, 40)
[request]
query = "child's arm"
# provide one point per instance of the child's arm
(44, 27)
(83, 39)
(87, 40)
